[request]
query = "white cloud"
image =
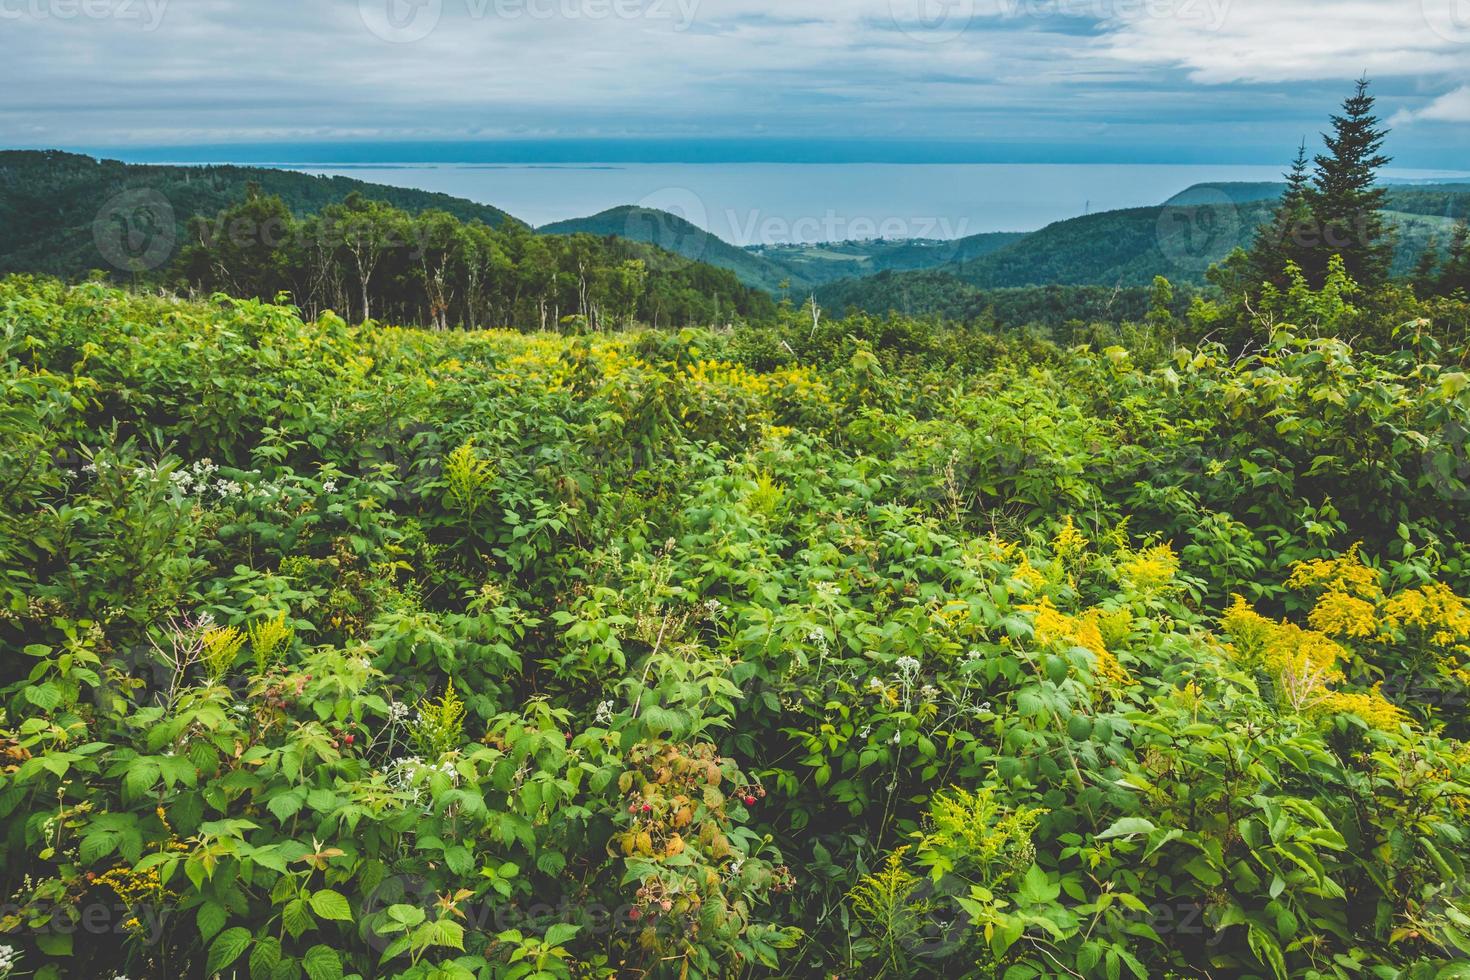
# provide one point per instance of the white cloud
(221, 70)
(1267, 41)
(1452, 107)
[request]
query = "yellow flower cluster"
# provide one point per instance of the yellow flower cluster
(1070, 543)
(1086, 631)
(1303, 664)
(727, 375)
(1151, 569)
(1345, 575)
(1340, 614)
(133, 887)
(1352, 605)
(1435, 611)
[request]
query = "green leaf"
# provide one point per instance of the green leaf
(331, 905)
(47, 697)
(1267, 950)
(226, 949)
(210, 919)
(1127, 827)
(264, 957)
(560, 933)
(322, 963)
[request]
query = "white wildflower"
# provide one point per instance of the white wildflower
(604, 713)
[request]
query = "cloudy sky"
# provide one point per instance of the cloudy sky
(1026, 80)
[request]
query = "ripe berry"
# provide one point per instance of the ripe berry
(349, 739)
(750, 801)
(647, 808)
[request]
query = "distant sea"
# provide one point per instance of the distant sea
(771, 203)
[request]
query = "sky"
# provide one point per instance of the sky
(1157, 81)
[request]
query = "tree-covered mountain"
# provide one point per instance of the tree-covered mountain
(1180, 240)
(682, 237)
(938, 294)
(824, 262)
(51, 203)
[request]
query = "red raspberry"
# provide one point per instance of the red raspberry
(750, 801)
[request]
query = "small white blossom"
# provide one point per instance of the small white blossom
(908, 666)
(329, 486)
(604, 713)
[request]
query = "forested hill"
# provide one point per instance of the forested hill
(682, 237)
(49, 201)
(1127, 248)
(365, 251)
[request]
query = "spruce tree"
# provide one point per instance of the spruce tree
(1454, 275)
(1426, 270)
(1287, 237)
(1347, 201)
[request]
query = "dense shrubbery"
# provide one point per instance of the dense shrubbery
(852, 648)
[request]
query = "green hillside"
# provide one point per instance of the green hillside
(674, 234)
(826, 262)
(1181, 241)
(51, 200)
(935, 293)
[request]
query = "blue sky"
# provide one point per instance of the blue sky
(1235, 81)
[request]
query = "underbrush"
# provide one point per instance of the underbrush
(854, 649)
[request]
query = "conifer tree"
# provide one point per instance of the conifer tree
(1454, 275)
(1347, 201)
(1426, 270)
(1287, 236)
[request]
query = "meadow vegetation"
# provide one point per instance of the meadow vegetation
(864, 647)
